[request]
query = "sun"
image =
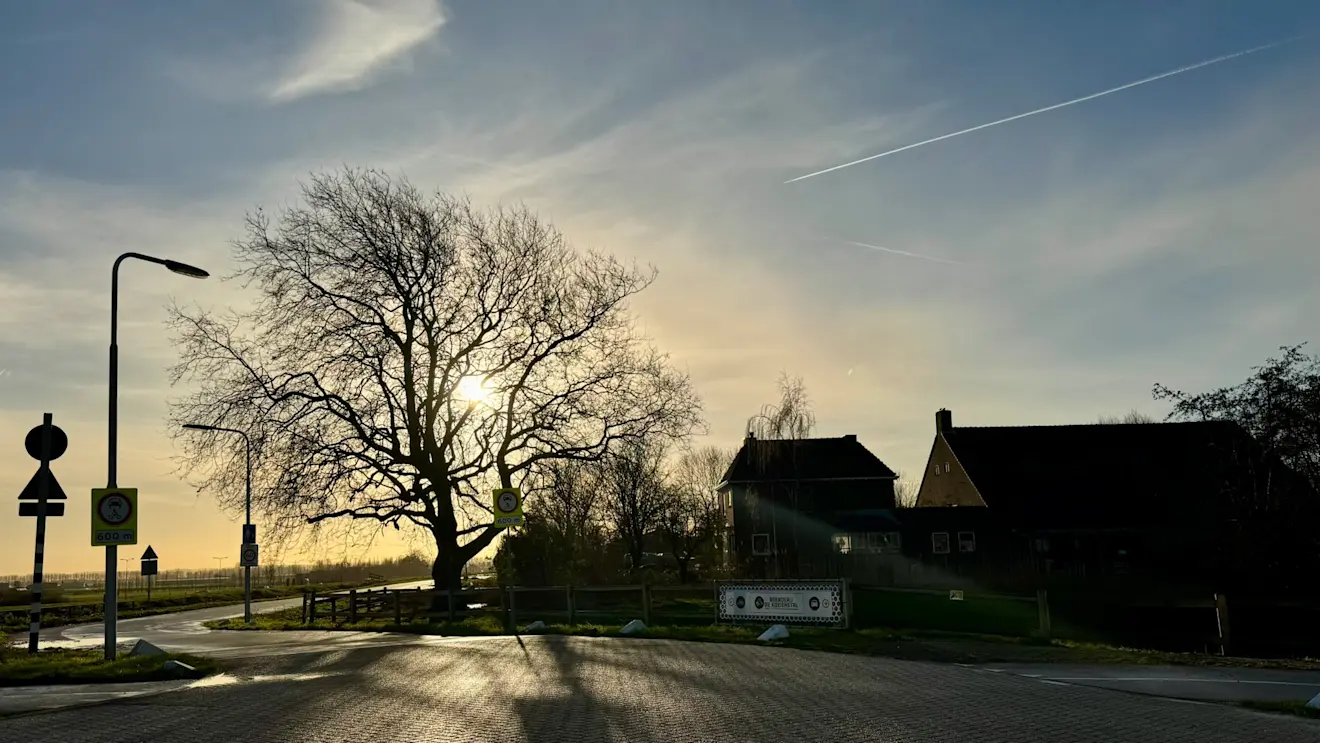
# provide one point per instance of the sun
(473, 389)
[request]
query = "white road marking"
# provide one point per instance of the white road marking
(1187, 680)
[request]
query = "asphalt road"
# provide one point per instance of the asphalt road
(182, 632)
(1183, 682)
(571, 690)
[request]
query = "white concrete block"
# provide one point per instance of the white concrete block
(142, 647)
(633, 627)
(777, 632)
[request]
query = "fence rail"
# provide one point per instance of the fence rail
(918, 608)
(676, 604)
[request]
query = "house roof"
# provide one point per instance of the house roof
(761, 460)
(1101, 474)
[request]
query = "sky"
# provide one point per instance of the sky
(1044, 271)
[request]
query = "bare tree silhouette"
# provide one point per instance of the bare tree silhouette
(405, 353)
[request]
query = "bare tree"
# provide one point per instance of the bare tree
(637, 494)
(906, 491)
(694, 516)
(1279, 405)
(1132, 416)
(571, 505)
(406, 353)
(792, 418)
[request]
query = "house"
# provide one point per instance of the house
(1100, 499)
(792, 503)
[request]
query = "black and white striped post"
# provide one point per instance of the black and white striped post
(44, 443)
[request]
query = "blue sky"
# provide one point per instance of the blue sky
(1164, 233)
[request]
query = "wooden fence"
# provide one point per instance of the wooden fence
(573, 604)
(916, 608)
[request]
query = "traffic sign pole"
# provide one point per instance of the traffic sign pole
(43, 491)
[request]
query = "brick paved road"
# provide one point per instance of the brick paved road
(553, 690)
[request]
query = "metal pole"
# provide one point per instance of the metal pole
(38, 554)
(247, 522)
(112, 469)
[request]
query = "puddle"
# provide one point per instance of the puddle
(225, 679)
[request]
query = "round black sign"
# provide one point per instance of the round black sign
(760, 602)
(59, 442)
(740, 602)
(814, 603)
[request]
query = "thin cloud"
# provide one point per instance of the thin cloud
(894, 251)
(1046, 109)
(356, 41)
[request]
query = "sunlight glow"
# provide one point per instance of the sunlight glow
(472, 389)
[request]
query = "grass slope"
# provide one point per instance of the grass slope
(61, 666)
(909, 644)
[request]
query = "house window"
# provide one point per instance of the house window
(946, 467)
(966, 541)
(937, 469)
(843, 543)
(893, 542)
(939, 542)
(1042, 545)
(728, 499)
(875, 542)
(760, 544)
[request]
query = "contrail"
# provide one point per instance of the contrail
(1073, 102)
(902, 252)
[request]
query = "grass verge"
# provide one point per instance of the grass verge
(907, 644)
(1291, 708)
(61, 666)
(15, 619)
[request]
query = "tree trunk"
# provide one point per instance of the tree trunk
(683, 569)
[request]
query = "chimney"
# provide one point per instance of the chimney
(943, 420)
(850, 437)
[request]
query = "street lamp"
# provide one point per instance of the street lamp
(128, 574)
(112, 475)
(247, 509)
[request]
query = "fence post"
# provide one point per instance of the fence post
(646, 601)
(311, 607)
(334, 609)
(302, 616)
(1221, 620)
(847, 596)
(513, 609)
(451, 605)
(398, 611)
(1043, 611)
(572, 611)
(352, 606)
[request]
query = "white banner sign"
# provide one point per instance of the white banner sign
(783, 602)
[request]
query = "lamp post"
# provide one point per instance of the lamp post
(112, 474)
(127, 573)
(247, 508)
